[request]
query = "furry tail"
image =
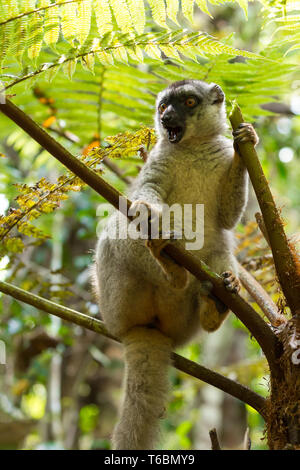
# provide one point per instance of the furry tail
(147, 358)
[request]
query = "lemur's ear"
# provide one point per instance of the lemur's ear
(217, 94)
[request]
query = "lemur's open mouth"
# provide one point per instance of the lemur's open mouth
(175, 134)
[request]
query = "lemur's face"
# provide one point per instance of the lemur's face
(188, 109)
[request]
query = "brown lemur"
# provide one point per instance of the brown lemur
(151, 303)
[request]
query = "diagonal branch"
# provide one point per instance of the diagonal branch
(261, 297)
(256, 325)
(185, 365)
(284, 254)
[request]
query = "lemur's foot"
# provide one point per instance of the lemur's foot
(231, 282)
(212, 313)
(175, 274)
(244, 133)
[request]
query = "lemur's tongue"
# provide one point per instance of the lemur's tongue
(174, 134)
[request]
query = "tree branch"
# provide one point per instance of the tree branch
(185, 365)
(261, 297)
(258, 328)
(261, 224)
(284, 255)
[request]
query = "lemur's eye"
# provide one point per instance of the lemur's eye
(190, 102)
(162, 108)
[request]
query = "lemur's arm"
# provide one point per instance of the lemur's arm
(155, 183)
(234, 192)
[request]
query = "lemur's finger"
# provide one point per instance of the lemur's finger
(245, 133)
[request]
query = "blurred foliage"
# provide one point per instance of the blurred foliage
(85, 77)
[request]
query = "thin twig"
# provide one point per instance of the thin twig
(116, 170)
(185, 365)
(106, 161)
(261, 224)
(247, 440)
(261, 297)
(215, 445)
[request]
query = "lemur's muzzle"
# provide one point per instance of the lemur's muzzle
(173, 126)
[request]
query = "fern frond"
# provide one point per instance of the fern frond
(188, 10)
(69, 21)
(114, 49)
(84, 20)
(286, 19)
(122, 15)
(38, 23)
(103, 16)
(137, 12)
(158, 12)
(172, 9)
(202, 4)
(44, 197)
(35, 36)
(51, 24)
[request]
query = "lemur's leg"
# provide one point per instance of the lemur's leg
(212, 310)
(175, 274)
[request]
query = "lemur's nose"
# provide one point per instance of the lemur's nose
(169, 117)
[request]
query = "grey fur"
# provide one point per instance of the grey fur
(136, 300)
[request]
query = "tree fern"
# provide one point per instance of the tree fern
(112, 102)
(38, 22)
(114, 49)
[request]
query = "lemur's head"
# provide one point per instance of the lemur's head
(190, 109)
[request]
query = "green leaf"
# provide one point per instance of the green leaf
(172, 9)
(69, 22)
(137, 12)
(158, 12)
(202, 4)
(153, 51)
(69, 67)
(84, 20)
(35, 35)
(188, 9)
(103, 16)
(122, 15)
(51, 23)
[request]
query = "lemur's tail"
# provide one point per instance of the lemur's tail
(147, 357)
